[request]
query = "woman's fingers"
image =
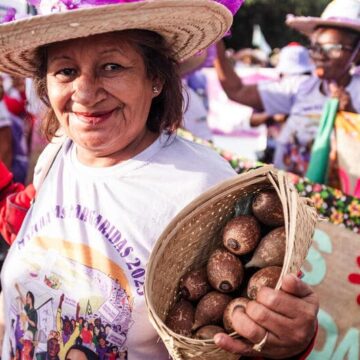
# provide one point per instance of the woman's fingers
(232, 345)
(247, 327)
(296, 298)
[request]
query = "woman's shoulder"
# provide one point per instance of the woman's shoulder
(47, 158)
(193, 156)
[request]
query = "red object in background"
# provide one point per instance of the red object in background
(15, 200)
(15, 106)
(355, 279)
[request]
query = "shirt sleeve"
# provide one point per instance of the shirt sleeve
(278, 96)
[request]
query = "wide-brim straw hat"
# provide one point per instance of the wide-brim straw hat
(339, 13)
(189, 26)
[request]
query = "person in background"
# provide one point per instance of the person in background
(294, 65)
(6, 154)
(121, 173)
(334, 48)
(195, 93)
(19, 126)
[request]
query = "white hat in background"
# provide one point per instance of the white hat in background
(294, 59)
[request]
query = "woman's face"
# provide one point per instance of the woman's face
(101, 95)
(329, 66)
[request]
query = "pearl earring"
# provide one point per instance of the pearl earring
(155, 90)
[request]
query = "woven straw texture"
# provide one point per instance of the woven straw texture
(195, 232)
(189, 26)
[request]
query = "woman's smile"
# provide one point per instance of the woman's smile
(92, 118)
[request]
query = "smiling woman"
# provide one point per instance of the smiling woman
(108, 73)
(101, 92)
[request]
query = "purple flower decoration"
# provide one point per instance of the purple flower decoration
(232, 5)
(9, 15)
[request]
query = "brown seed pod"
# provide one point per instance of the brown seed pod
(210, 309)
(208, 332)
(194, 284)
(225, 271)
(180, 318)
(267, 276)
(240, 302)
(271, 250)
(267, 208)
(241, 234)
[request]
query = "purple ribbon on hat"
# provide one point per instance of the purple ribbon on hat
(232, 5)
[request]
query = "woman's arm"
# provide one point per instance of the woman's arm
(232, 84)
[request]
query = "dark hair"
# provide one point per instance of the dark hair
(90, 355)
(31, 295)
(166, 109)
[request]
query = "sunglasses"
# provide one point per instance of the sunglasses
(331, 51)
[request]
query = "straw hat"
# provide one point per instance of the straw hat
(339, 13)
(189, 26)
(294, 59)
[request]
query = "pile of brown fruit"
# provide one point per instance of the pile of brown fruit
(251, 256)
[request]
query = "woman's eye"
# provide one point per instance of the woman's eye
(112, 67)
(67, 72)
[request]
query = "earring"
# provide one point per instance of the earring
(155, 90)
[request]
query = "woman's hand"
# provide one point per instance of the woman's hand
(338, 92)
(288, 315)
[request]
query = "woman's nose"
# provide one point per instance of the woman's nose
(87, 90)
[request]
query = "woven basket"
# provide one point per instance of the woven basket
(194, 233)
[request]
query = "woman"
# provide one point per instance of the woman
(121, 174)
(335, 44)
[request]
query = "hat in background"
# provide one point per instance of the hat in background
(294, 59)
(189, 26)
(339, 13)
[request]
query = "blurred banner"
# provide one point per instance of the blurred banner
(332, 268)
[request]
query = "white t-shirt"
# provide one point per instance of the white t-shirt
(88, 237)
(304, 102)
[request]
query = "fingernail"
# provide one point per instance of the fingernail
(218, 338)
(238, 307)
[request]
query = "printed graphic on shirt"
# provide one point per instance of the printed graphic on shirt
(71, 300)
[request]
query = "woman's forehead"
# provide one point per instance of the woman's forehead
(333, 34)
(116, 40)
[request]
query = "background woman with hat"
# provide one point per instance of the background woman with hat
(334, 49)
(109, 77)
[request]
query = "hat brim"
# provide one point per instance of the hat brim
(307, 24)
(188, 26)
